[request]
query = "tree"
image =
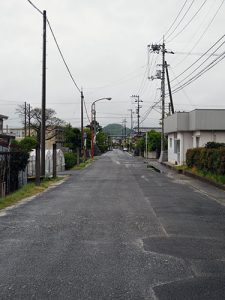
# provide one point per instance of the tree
(154, 141)
(52, 122)
(72, 137)
(102, 141)
(19, 157)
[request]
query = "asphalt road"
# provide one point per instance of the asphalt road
(115, 230)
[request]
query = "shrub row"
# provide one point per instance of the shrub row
(70, 160)
(207, 159)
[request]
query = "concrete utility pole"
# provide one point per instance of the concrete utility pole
(169, 88)
(125, 128)
(131, 120)
(161, 48)
(137, 100)
(43, 108)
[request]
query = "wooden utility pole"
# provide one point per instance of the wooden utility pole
(29, 118)
(43, 108)
(25, 119)
(82, 124)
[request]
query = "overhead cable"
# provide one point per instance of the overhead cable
(203, 62)
(205, 53)
(189, 22)
(35, 7)
(203, 33)
(61, 54)
(185, 2)
(189, 7)
(200, 73)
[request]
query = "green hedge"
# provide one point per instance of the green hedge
(207, 159)
(70, 160)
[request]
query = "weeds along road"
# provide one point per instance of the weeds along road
(115, 230)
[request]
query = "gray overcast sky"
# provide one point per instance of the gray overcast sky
(105, 45)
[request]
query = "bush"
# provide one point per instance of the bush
(214, 145)
(207, 159)
(70, 160)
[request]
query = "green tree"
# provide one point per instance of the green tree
(102, 141)
(72, 137)
(19, 158)
(154, 141)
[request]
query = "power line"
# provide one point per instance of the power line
(86, 112)
(189, 22)
(61, 54)
(57, 45)
(176, 17)
(203, 63)
(182, 18)
(203, 71)
(200, 58)
(203, 33)
(35, 7)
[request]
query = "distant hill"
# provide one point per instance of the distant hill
(115, 129)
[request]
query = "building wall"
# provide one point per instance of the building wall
(208, 136)
(207, 119)
(172, 157)
(188, 140)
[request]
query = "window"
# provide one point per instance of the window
(1, 126)
(197, 141)
(171, 142)
(175, 146)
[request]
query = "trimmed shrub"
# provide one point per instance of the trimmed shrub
(70, 160)
(214, 145)
(207, 159)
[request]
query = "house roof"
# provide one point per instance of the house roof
(198, 119)
(3, 117)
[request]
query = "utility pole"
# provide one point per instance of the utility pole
(169, 88)
(43, 108)
(137, 100)
(161, 48)
(29, 118)
(131, 120)
(163, 101)
(82, 123)
(25, 119)
(125, 129)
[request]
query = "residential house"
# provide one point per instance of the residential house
(193, 129)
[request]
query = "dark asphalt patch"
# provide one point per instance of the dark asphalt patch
(186, 248)
(154, 168)
(192, 289)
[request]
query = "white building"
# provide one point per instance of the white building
(193, 129)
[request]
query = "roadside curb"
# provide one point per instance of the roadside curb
(192, 175)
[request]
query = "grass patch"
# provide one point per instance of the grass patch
(82, 165)
(214, 177)
(181, 168)
(27, 190)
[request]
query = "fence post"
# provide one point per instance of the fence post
(37, 166)
(54, 160)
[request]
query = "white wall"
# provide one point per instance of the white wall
(185, 144)
(208, 136)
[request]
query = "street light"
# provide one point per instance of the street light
(93, 127)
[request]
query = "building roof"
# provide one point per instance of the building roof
(198, 119)
(3, 117)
